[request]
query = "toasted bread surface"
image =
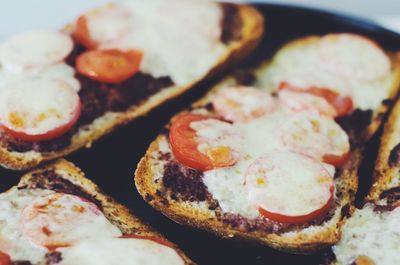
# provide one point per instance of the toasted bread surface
(252, 30)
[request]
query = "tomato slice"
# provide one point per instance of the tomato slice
(184, 144)
(242, 104)
(298, 219)
(342, 104)
(52, 134)
(4, 258)
(59, 220)
(109, 66)
(272, 177)
(82, 34)
(317, 136)
(24, 117)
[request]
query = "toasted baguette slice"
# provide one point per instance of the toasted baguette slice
(387, 166)
(117, 214)
(201, 215)
(371, 224)
(251, 33)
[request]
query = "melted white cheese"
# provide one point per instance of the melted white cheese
(34, 49)
(38, 105)
(370, 234)
(251, 140)
(119, 251)
(303, 66)
(14, 242)
(179, 38)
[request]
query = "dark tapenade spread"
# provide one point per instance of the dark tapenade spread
(98, 98)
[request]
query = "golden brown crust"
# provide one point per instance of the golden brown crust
(303, 241)
(252, 30)
(115, 212)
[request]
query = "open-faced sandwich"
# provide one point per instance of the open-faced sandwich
(275, 161)
(57, 216)
(372, 235)
(59, 91)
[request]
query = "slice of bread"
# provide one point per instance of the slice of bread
(370, 224)
(78, 184)
(251, 32)
(203, 215)
(387, 166)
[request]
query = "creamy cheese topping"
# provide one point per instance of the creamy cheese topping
(370, 234)
(36, 106)
(272, 177)
(34, 49)
(179, 38)
(120, 251)
(34, 79)
(303, 66)
(251, 140)
(63, 220)
(12, 240)
(16, 242)
(32, 220)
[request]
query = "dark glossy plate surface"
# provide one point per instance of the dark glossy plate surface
(111, 162)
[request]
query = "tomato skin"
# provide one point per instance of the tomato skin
(4, 258)
(336, 161)
(82, 35)
(57, 132)
(183, 142)
(298, 219)
(109, 66)
(342, 104)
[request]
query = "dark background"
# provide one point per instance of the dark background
(111, 162)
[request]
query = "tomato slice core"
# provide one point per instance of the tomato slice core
(109, 66)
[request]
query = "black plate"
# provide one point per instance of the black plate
(111, 162)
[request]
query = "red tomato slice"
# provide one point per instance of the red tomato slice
(241, 104)
(342, 104)
(184, 145)
(109, 66)
(298, 219)
(58, 220)
(4, 258)
(52, 134)
(272, 177)
(27, 119)
(82, 34)
(317, 136)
